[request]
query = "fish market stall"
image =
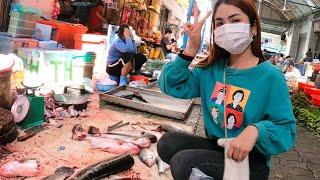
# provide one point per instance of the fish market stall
(54, 147)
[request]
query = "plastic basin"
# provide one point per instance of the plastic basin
(315, 100)
(104, 88)
(311, 91)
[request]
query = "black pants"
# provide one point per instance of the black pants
(184, 152)
(137, 59)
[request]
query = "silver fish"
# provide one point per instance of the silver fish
(147, 157)
(162, 166)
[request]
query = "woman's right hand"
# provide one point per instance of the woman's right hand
(194, 33)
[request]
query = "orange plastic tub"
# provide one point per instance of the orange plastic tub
(316, 100)
(302, 85)
(65, 33)
(311, 91)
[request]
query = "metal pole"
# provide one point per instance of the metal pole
(259, 9)
(185, 37)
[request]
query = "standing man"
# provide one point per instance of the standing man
(167, 46)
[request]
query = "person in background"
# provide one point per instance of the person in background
(167, 46)
(266, 127)
(309, 56)
(123, 56)
(292, 71)
(265, 54)
(97, 17)
(281, 59)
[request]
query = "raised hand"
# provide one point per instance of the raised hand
(194, 32)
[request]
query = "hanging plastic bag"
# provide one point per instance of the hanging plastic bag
(234, 170)
(196, 174)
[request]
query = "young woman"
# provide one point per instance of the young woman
(265, 127)
(123, 56)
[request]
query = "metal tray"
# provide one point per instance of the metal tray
(159, 103)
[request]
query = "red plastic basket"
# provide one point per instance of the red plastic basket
(311, 91)
(316, 100)
(302, 85)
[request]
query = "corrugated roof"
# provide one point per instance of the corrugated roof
(295, 8)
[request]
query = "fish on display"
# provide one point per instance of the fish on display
(61, 174)
(105, 168)
(143, 142)
(162, 166)
(136, 134)
(78, 132)
(172, 128)
(93, 130)
(113, 146)
(27, 168)
(147, 157)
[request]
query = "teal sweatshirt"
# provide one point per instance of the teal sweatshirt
(256, 96)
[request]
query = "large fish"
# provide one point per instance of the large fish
(113, 146)
(27, 168)
(147, 157)
(60, 174)
(143, 142)
(104, 168)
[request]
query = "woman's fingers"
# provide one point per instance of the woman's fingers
(230, 152)
(196, 13)
(244, 156)
(203, 20)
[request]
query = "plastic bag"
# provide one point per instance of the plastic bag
(196, 174)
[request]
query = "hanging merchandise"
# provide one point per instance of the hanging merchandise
(132, 21)
(56, 9)
(114, 12)
(125, 15)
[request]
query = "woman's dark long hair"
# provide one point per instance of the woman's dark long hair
(249, 8)
(121, 30)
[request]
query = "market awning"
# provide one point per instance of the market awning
(177, 10)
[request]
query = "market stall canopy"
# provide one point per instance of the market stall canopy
(177, 10)
(291, 9)
(278, 15)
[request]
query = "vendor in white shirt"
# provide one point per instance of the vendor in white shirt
(292, 71)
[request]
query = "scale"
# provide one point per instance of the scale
(28, 109)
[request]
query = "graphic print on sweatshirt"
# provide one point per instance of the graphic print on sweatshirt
(236, 100)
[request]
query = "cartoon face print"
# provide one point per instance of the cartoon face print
(215, 114)
(220, 97)
(231, 121)
(237, 98)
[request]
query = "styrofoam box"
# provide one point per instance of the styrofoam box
(45, 32)
(51, 45)
(10, 44)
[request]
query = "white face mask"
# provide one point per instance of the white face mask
(234, 38)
